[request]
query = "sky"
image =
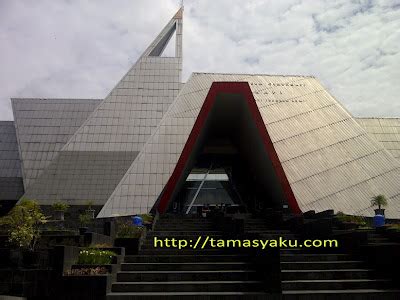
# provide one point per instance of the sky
(81, 49)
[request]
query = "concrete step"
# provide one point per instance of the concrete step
(183, 258)
(327, 274)
(382, 243)
(272, 231)
(377, 242)
(185, 228)
(340, 284)
(263, 225)
(184, 221)
(181, 217)
(267, 226)
(219, 275)
(186, 251)
(321, 265)
(188, 286)
(191, 295)
(191, 243)
(257, 220)
(200, 266)
(288, 257)
(182, 234)
(374, 234)
(355, 294)
(378, 238)
(275, 236)
(306, 250)
(267, 233)
(186, 225)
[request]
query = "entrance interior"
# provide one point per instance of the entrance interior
(229, 165)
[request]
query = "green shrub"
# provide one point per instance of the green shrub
(23, 224)
(127, 230)
(60, 206)
(95, 257)
(89, 204)
(351, 219)
(147, 218)
(85, 219)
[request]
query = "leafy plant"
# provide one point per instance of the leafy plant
(95, 257)
(379, 201)
(60, 206)
(147, 218)
(89, 204)
(84, 219)
(127, 230)
(23, 224)
(351, 219)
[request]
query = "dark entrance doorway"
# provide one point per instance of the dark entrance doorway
(229, 165)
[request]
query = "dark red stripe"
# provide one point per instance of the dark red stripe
(241, 88)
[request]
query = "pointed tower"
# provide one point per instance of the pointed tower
(130, 112)
(98, 154)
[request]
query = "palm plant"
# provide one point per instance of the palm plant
(379, 201)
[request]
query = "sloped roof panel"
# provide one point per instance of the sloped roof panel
(326, 155)
(11, 187)
(117, 129)
(43, 127)
(384, 130)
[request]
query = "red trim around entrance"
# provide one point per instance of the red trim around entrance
(241, 88)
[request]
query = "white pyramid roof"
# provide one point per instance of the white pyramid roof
(329, 160)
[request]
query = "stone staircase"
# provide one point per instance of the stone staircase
(330, 276)
(185, 273)
(375, 238)
(214, 273)
(307, 274)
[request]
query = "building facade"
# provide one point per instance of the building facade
(154, 143)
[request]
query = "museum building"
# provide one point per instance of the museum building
(253, 141)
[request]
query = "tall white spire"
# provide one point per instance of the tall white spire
(97, 155)
(131, 111)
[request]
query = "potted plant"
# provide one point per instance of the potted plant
(23, 224)
(128, 236)
(147, 220)
(379, 201)
(60, 208)
(90, 211)
(84, 220)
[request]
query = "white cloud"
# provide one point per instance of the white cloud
(81, 49)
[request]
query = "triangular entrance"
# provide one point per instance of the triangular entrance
(229, 136)
(229, 164)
